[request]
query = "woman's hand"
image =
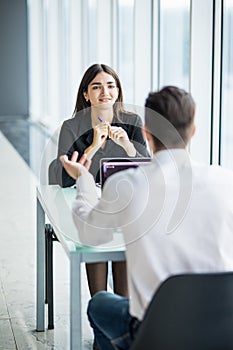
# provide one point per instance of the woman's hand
(74, 168)
(120, 137)
(99, 137)
(100, 134)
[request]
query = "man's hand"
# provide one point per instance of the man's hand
(74, 168)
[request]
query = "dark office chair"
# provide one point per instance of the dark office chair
(189, 312)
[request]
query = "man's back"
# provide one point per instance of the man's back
(183, 224)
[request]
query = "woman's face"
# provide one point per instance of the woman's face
(102, 91)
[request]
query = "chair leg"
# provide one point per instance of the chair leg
(49, 274)
(46, 264)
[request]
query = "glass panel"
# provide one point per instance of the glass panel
(97, 32)
(93, 26)
(126, 47)
(36, 63)
(227, 87)
(174, 43)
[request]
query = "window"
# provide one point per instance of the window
(125, 45)
(150, 43)
(174, 43)
(226, 145)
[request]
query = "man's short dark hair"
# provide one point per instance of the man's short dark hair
(169, 116)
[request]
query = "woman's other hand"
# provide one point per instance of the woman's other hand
(120, 137)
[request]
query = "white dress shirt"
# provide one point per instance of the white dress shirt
(176, 217)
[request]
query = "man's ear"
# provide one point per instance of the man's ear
(149, 138)
(146, 133)
(194, 130)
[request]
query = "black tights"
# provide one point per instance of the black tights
(97, 275)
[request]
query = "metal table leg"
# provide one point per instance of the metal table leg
(75, 302)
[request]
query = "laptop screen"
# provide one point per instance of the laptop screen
(110, 166)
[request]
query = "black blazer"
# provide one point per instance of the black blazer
(77, 134)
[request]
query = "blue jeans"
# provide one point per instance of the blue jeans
(114, 327)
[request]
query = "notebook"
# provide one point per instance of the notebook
(110, 166)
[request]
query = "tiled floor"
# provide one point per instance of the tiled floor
(18, 245)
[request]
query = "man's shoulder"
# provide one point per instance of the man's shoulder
(212, 174)
(221, 171)
(214, 168)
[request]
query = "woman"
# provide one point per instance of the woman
(101, 128)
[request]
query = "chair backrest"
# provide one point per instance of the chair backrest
(189, 312)
(52, 172)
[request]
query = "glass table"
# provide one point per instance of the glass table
(54, 204)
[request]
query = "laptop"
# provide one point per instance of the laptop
(110, 166)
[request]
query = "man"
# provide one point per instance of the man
(176, 216)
